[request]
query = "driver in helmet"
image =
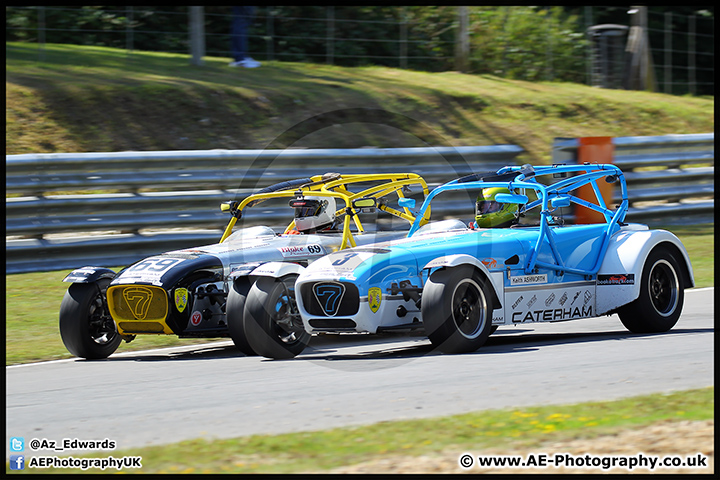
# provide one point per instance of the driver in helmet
(313, 214)
(492, 214)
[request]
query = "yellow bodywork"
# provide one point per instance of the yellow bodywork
(139, 309)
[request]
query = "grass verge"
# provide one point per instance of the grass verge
(507, 429)
(93, 99)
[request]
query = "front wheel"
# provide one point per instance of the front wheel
(457, 310)
(86, 327)
(660, 302)
(235, 309)
(271, 320)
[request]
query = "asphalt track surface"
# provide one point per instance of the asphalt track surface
(212, 391)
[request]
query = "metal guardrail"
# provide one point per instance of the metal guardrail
(158, 192)
(667, 176)
(162, 196)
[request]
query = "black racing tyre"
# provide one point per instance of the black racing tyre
(271, 321)
(86, 327)
(661, 297)
(457, 310)
(234, 313)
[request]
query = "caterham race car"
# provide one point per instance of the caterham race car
(517, 262)
(185, 292)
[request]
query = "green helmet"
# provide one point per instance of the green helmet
(489, 213)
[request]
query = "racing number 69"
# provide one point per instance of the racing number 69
(154, 264)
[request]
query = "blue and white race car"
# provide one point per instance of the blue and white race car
(518, 262)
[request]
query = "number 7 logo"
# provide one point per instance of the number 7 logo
(329, 296)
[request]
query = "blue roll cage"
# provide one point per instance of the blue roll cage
(525, 177)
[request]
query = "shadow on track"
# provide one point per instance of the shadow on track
(395, 346)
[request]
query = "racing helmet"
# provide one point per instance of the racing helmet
(314, 213)
(489, 213)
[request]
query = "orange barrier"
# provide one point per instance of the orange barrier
(594, 150)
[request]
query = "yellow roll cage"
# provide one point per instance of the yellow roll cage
(336, 186)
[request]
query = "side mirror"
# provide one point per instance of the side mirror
(406, 202)
(366, 202)
(559, 202)
(511, 198)
(231, 208)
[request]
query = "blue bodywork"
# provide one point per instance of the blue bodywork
(541, 271)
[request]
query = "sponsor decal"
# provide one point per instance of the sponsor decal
(549, 300)
(138, 300)
(532, 301)
(329, 296)
(489, 262)
(196, 318)
(552, 315)
(528, 279)
(577, 294)
(181, 299)
(563, 299)
(301, 251)
(374, 298)
(340, 264)
(517, 302)
(242, 269)
(616, 279)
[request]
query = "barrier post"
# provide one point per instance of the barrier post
(594, 150)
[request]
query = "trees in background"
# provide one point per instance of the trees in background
(519, 42)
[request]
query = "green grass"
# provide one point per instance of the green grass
(33, 302)
(699, 240)
(81, 99)
(508, 429)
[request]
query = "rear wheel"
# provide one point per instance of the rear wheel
(456, 310)
(660, 302)
(86, 327)
(235, 309)
(271, 319)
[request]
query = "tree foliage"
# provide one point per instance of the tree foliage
(522, 42)
(527, 43)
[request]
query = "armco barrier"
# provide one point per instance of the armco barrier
(668, 176)
(170, 200)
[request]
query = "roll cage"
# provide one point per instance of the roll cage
(339, 187)
(564, 180)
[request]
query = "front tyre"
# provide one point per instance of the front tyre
(661, 298)
(235, 310)
(271, 320)
(86, 327)
(456, 310)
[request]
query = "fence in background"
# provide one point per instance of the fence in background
(170, 200)
(682, 46)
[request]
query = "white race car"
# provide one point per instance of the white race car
(200, 291)
(518, 262)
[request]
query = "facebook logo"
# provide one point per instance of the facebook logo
(17, 462)
(17, 444)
